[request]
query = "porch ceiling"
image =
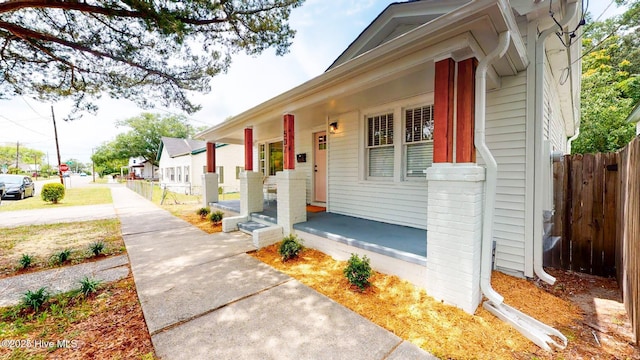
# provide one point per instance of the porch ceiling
(399, 68)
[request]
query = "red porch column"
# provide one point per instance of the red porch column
(443, 111)
(465, 149)
(248, 149)
(211, 157)
(289, 143)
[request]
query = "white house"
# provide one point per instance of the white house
(441, 116)
(139, 168)
(183, 161)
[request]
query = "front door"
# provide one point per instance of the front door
(320, 166)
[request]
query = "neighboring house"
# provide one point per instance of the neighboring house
(388, 133)
(634, 117)
(139, 168)
(183, 161)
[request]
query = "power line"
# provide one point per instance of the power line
(22, 126)
(621, 24)
(32, 109)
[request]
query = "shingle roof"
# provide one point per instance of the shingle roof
(177, 147)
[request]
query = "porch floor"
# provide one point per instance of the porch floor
(401, 242)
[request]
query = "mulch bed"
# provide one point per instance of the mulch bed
(446, 331)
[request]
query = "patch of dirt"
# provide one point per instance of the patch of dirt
(114, 329)
(450, 333)
(41, 242)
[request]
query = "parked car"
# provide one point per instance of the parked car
(2, 189)
(17, 186)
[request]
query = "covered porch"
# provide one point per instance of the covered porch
(399, 242)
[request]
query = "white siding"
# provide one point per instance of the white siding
(403, 203)
(554, 129)
(506, 115)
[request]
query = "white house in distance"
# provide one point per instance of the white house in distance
(183, 161)
(139, 168)
(441, 116)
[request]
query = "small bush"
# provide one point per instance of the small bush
(35, 299)
(62, 256)
(290, 247)
(52, 192)
(203, 212)
(89, 285)
(358, 271)
(96, 248)
(216, 217)
(26, 260)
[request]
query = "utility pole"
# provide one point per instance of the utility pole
(93, 165)
(55, 132)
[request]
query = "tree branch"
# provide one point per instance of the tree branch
(28, 34)
(13, 5)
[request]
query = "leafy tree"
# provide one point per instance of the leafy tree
(27, 155)
(610, 83)
(146, 51)
(143, 139)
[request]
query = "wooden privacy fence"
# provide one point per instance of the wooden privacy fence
(596, 227)
(584, 224)
(628, 225)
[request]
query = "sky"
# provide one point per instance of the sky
(324, 30)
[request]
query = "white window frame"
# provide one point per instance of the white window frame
(186, 174)
(263, 164)
(389, 142)
(406, 142)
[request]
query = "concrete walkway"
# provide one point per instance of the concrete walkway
(203, 297)
(61, 279)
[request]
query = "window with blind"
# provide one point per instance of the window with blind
(186, 174)
(380, 146)
(418, 126)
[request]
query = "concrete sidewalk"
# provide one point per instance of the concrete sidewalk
(203, 297)
(62, 279)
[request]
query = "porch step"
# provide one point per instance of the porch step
(250, 226)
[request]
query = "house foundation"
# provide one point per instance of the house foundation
(454, 225)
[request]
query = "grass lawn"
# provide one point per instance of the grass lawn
(107, 324)
(42, 242)
(73, 197)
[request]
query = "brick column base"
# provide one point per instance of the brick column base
(454, 233)
(251, 196)
(292, 199)
(209, 188)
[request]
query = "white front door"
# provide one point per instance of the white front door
(320, 166)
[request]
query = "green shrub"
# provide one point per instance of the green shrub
(216, 217)
(220, 190)
(203, 212)
(290, 247)
(96, 248)
(52, 192)
(62, 256)
(35, 299)
(358, 271)
(89, 285)
(25, 261)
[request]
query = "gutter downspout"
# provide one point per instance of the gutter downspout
(539, 151)
(492, 167)
(541, 334)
